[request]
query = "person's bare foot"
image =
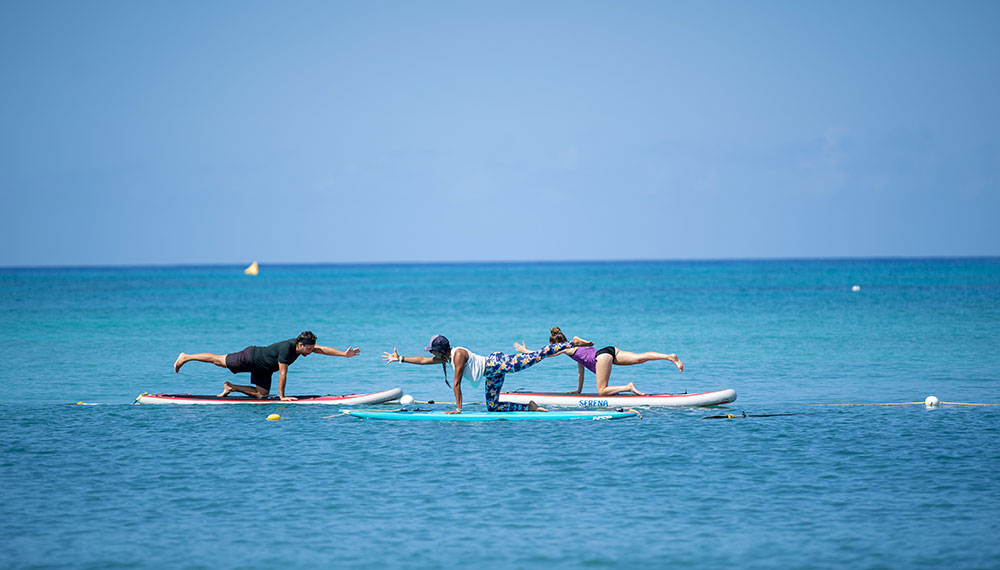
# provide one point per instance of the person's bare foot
(179, 362)
(632, 388)
(533, 407)
(673, 358)
(228, 390)
(577, 341)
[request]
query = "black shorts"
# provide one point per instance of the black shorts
(606, 350)
(241, 361)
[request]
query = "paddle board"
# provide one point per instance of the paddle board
(488, 416)
(715, 398)
(345, 400)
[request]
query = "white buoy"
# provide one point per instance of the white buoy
(856, 288)
(406, 400)
(931, 402)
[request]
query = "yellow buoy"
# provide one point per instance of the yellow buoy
(252, 269)
(273, 417)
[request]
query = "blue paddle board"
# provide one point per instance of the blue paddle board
(489, 416)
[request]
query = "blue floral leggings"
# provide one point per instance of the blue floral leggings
(499, 364)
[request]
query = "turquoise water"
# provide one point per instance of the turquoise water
(117, 485)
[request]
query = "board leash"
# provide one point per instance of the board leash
(928, 403)
(342, 413)
(633, 410)
(900, 404)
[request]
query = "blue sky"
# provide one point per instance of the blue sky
(224, 132)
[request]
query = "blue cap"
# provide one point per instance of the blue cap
(438, 342)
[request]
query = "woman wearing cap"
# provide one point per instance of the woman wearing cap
(474, 367)
(600, 362)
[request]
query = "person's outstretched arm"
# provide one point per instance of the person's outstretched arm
(395, 357)
(350, 352)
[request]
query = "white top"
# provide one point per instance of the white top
(474, 367)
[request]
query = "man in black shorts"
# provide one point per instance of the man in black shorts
(263, 361)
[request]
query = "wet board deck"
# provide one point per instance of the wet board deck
(489, 416)
(716, 398)
(343, 400)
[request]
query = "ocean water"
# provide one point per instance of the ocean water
(115, 485)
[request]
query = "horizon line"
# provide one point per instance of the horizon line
(502, 262)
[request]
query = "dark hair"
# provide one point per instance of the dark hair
(556, 335)
(444, 365)
(306, 337)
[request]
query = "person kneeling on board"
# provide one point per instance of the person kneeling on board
(601, 361)
(263, 361)
(474, 367)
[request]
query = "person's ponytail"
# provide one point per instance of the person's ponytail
(556, 335)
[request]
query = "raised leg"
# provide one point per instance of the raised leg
(626, 358)
(509, 363)
(183, 358)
